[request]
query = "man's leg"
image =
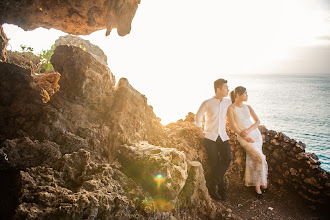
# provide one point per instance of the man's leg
(225, 154)
(213, 163)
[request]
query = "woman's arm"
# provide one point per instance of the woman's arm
(230, 116)
(256, 122)
(232, 123)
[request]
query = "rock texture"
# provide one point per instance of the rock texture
(74, 17)
(80, 72)
(95, 151)
(24, 153)
(95, 51)
(195, 194)
(59, 156)
(3, 45)
(48, 84)
(76, 188)
(161, 171)
(289, 164)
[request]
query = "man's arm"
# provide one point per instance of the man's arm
(198, 118)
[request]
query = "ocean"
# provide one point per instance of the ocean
(297, 105)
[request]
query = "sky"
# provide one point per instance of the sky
(177, 49)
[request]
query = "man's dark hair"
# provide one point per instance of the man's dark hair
(218, 84)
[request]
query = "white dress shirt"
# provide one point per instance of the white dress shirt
(215, 118)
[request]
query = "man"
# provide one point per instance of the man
(216, 138)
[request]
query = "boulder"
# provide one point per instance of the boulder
(83, 77)
(161, 171)
(86, 45)
(195, 194)
(131, 118)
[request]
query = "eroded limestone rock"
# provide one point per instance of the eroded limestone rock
(83, 76)
(195, 194)
(74, 17)
(76, 188)
(95, 51)
(23, 153)
(3, 45)
(48, 84)
(131, 117)
(161, 171)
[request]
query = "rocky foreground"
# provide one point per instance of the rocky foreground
(76, 145)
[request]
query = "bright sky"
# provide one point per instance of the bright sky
(176, 49)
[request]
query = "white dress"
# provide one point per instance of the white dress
(256, 170)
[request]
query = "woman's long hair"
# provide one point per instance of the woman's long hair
(239, 90)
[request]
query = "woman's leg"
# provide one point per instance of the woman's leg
(255, 165)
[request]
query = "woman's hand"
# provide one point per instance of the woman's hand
(246, 132)
(248, 139)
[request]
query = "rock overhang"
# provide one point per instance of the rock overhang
(74, 17)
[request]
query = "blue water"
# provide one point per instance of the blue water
(297, 105)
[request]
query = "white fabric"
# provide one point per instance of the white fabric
(256, 170)
(215, 113)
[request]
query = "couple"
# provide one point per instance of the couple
(215, 111)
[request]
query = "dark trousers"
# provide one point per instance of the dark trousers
(219, 157)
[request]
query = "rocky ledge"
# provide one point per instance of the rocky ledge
(96, 150)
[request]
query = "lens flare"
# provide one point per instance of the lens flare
(159, 179)
(157, 204)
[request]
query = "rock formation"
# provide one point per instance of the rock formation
(74, 17)
(289, 164)
(95, 51)
(48, 84)
(96, 150)
(3, 45)
(59, 157)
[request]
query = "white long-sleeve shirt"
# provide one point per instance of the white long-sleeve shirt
(215, 118)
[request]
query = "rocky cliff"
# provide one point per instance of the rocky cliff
(61, 158)
(95, 150)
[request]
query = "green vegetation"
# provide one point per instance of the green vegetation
(38, 63)
(45, 56)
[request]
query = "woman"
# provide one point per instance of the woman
(250, 138)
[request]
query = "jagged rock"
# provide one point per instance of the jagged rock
(16, 84)
(76, 189)
(183, 136)
(24, 59)
(195, 194)
(20, 100)
(302, 156)
(88, 112)
(80, 73)
(79, 18)
(48, 83)
(3, 45)
(161, 171)
(95, 51)
(23, 153)
(131, 117)
(312, 155)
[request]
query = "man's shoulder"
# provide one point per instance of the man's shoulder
(209, 100)
(228, 101)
